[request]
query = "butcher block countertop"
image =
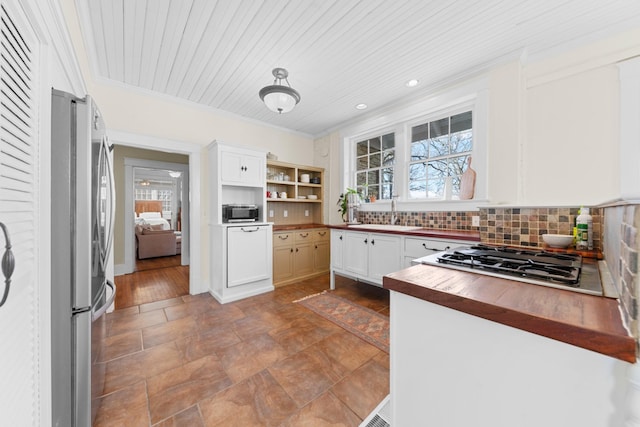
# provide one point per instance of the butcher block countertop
(591, 322)
(290, 227)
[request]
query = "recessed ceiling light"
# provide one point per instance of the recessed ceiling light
(361, 106)
(412, 83)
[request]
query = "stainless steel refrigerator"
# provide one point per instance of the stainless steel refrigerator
(82, 215)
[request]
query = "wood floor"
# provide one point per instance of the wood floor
(262, 361)
(155, 279)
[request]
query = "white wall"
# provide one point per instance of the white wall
(553, 134)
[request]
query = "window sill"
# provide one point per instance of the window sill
(423, 205)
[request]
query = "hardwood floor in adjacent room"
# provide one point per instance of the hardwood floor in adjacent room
(155, 279)
(261, 361)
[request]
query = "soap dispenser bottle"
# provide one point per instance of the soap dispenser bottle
(584, 225)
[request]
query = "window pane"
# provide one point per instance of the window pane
(420, 132)
(374, 161)
(457, 165)
(417, 189)
(362, 148)
(419, 150)
(361, 178)
(373, 191)
(435, 188)
(387, 175)
(363, 163)
(439, 147)
(374, 145)
(437, 170)
(461, 122)
(461, 142)
(387, 191)
(439, 127)
(388, 158)
(417, 171)
(388, 141)
(374, 177)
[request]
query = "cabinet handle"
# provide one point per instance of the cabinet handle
(340, 237)
(304, 235)
(424, 245)
(322, 233)
(281, 237)
(291, 250)
(297, 249)
(366, 241)
(246, 230)
(373, 242)
(316, 246)
(243, 168)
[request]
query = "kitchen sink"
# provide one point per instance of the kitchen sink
(387, 227)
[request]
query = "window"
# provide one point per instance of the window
(375, 158)
(152, 194)
(439, 149)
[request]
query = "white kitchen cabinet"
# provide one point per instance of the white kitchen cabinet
(248, 247)
(366, 256)
(240, 261)
(239, 167)
(418, 247)
(337, 249)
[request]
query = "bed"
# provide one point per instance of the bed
(150, 212)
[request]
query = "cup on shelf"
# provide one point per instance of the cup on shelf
(304, 178)
(283, 195)
(274, 195)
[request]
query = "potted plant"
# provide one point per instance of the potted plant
(342, 202)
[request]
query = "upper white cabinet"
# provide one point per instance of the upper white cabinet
(240, 167)
(236, 176)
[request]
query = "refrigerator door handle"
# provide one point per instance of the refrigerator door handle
(100, 311)
(8, 264)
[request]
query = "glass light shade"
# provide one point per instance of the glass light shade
(280, 99)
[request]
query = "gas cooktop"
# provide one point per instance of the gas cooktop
(539, 267)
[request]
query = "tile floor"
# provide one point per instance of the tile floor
(262, 361)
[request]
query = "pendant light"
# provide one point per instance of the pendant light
(277, 97)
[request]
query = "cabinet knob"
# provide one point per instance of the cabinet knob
(297, 249)
(291, 250)
(340, 237)
(366, 241)
(373, 242)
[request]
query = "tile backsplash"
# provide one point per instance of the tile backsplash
(501, 226)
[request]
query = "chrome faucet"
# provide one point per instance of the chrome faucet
(394, 211)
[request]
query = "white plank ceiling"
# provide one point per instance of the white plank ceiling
(339, 53)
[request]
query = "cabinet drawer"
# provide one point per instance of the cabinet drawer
(283, 239)
(321, 235)
(420, 247)
(303, 236)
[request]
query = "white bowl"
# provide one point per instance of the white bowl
(557, 240)
(312, 197)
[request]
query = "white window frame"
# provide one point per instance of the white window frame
(472, 96)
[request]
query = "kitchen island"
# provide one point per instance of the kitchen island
(468, 349)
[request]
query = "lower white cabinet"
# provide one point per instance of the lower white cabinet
(365, 256)
(240, 261)
(369, 256)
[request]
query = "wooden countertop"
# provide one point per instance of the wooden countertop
(468, 235)
(289, 227)
(591, 322)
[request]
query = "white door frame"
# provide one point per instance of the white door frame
(196, 284)
(130, 240)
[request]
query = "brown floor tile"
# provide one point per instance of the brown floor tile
(136, 367)
(177, 389)
(169, 331)
(347, 349)
(187, 418)
(127, 407)
(364, 389)
(327, 410)
(150, 306)
(190, 308)
(120, 325)
(123, 312)
(256, 401)
(222, 315)
(307, 374)
(121, 345)
(247, 358)
(258, 324)
(299, 334)
(205, 343)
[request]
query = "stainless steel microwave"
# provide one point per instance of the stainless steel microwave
(240, 213)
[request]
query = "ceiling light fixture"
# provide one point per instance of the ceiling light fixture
(277, 97)
(361, 106)
(145, 183)
(175, 174)
(412, 83)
